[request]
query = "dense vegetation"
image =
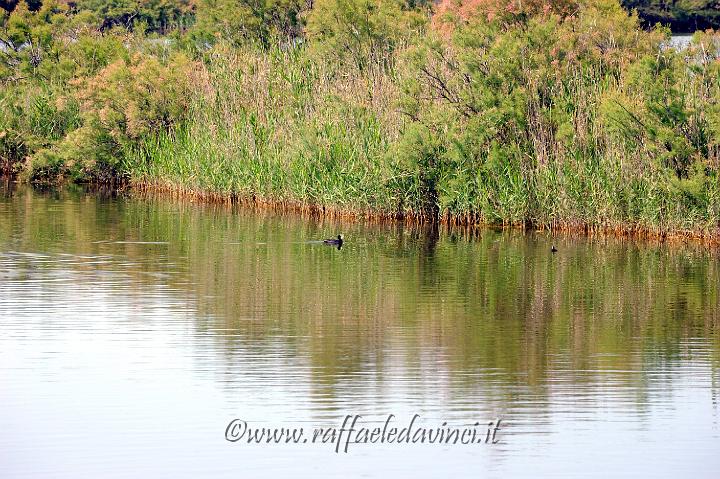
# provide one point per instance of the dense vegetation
(562, 114)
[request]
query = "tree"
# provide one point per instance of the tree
(155, 15)
(9, 5)
(368, 31)
(241, 21)
(27, 39)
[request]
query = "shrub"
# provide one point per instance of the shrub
(121, 105)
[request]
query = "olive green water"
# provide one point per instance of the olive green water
(133, 331)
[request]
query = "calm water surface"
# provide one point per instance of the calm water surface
(132, 331)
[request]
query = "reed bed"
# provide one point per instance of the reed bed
(574, 119)
(287, 130)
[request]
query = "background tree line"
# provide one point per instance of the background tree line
(284, 15)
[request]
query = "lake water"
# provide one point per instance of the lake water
(680, 41)
(132, 331)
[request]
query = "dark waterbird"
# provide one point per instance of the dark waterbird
(553, 249)
(335, 241)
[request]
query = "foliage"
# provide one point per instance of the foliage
(28, 40)
(366, 31)
(153, 15)
(125, 102)
(248, 21)
(552, 114)
(450, 13)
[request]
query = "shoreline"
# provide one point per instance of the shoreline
(467, 223)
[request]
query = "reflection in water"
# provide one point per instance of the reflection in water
(132, 331)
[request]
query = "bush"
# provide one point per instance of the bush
(121, 105)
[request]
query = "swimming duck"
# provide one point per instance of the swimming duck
(335, 241)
